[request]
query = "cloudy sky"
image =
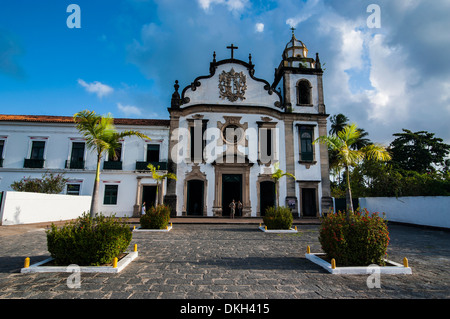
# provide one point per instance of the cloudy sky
(127, 54)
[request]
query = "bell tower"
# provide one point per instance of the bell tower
(300, 78)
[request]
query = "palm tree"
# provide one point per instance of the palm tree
(338, 122)
(348, 157)
(159, 178)
(362, 140)
(100, 135)
(277, 174)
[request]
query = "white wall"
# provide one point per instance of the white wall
(208, 92)
(312, 78)
(58, 138)
(27, 208)
(420, 210)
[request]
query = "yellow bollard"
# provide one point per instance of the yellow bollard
(167, 227)
(295, 227)
(265, 227)
(170, 224)
(333, 263)
(308, 250)
(115, 262)
(260, 224)
(134, 227)
(27, 262)
(135, 247)
(405, 262)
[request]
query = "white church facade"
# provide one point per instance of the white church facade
(230, 130)
(227, 133)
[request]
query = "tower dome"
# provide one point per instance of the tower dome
(295, 48)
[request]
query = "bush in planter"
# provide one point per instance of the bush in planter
(360, 240)
(88, 241)
(278, 218)
(156, 217)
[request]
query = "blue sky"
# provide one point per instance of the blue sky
(127, 54)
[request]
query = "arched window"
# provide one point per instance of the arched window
(304, 93)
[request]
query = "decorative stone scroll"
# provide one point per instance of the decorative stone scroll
(232, 85)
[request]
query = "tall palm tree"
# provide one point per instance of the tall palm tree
(277, 174)
(338, 122)
(101, 136)
(347, 157)
(159, 178)
(362, 140)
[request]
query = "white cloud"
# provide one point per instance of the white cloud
(96, 87)
(389, 76)
(310, 8)
(383, 79)
(236, 4)
(129, 110)
(259, 27)
(204, 4)
(233, 5)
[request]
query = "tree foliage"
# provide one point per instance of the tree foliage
(407, 174)
(101, 136)
(277, 175)
(338, 122)
(89, 241)
(419, 166)
(48, 184)
(362, 241)
(158, 177)
(418, 151)
(348, 157)
(384, 180)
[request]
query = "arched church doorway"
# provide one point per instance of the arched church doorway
(231, 189)
(266, 196)
(195, 192)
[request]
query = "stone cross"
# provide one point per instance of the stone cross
(232, 47)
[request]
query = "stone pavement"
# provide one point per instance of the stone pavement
(229, 261)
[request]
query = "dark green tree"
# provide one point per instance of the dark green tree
(446, 166)
(48, 184)
(338, 122)
(362, 140)
(418, 151)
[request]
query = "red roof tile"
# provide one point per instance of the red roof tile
(69, 119)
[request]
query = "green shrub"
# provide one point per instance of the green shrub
(361, 240)
(88, 241)
(48, 184)
(278, 218)
(156, 218)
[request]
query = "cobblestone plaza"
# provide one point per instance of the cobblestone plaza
(230, 261)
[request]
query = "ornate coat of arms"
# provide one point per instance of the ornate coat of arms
(232, 85)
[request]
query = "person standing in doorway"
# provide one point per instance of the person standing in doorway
(239, 207)
(143, 209)
(232, 208)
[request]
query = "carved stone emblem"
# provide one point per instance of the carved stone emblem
(232, 85)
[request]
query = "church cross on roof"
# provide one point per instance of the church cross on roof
(232, 47)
